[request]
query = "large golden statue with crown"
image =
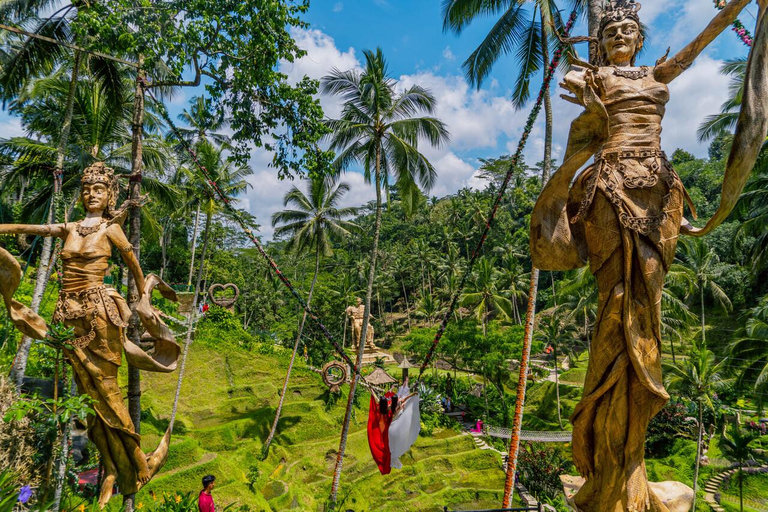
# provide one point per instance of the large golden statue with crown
(622, 216)
(99, 316)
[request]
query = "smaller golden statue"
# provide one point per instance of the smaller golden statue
(99, 316)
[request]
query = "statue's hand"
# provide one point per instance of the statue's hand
(574, 82)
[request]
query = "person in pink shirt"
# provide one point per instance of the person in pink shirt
(205, 500)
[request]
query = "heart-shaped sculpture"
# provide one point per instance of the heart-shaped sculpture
(334, 375)
(225, 302)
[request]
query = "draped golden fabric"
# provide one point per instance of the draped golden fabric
(99, 316)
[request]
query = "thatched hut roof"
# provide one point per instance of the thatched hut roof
(405, 363)
(379, 378)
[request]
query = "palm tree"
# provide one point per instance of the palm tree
(698, 263)
(751, 345)
(231, 180)
(553, 330)
(729, 113)
(428, 307)
(379, 129)
(697, 378)
(484, 296)
(579, 295)
(516, 282)
(203, 126)
(740, 446)
(314, 221)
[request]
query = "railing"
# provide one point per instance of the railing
(529, 435)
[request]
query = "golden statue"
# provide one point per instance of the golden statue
(622, 216)
(99, 316)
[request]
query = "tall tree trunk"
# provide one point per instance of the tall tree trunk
(547, 163)
(703, 327)
(557, 387)
(41, 280)
(741, 487)
(517, 421)
(407, 306)
(194, 246)
(164, 241)
(63, 458)
(594, 13)
(698, 454)
(344, 336)
(134, 329)
(363, 333)
(265, 449)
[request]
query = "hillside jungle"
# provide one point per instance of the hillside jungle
(714, 319)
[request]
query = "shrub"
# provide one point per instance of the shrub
(667, 426)
(540, 467)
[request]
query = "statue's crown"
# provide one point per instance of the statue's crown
(99, 173)
(617, 10)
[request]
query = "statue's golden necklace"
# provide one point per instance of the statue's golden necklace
(84, 231)
(632, 74)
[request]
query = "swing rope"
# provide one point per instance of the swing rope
(550, 72)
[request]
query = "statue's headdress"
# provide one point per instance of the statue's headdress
(617, 10)
(100, 173)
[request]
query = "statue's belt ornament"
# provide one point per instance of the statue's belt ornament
(84, 304)
(617, 170)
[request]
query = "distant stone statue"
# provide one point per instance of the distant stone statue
(355, 313)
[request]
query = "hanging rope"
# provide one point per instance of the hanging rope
(216, 191)
(550, 72)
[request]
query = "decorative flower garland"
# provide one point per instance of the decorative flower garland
(737, 26)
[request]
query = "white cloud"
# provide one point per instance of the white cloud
(448, 54)
(338, 7)
(475, 119)
(266, 196)
(481, 123)
(322, 57)
(695, 94)
(10, 127)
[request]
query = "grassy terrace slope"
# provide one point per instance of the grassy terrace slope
(225, 412)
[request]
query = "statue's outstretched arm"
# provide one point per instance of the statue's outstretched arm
(117, 237)
(671, 69)
(751, 127)
(57, 230)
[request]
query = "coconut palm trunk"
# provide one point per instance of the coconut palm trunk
(194, 246)
(134, 331)
(364, 331)
(517, 421)
(701, 298)
(43, 270)
(265, 449)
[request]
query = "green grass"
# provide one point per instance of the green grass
(225, 411)
(755, 492)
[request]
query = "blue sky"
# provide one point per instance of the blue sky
(483, 124)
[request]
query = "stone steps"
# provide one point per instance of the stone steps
(712, 486)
